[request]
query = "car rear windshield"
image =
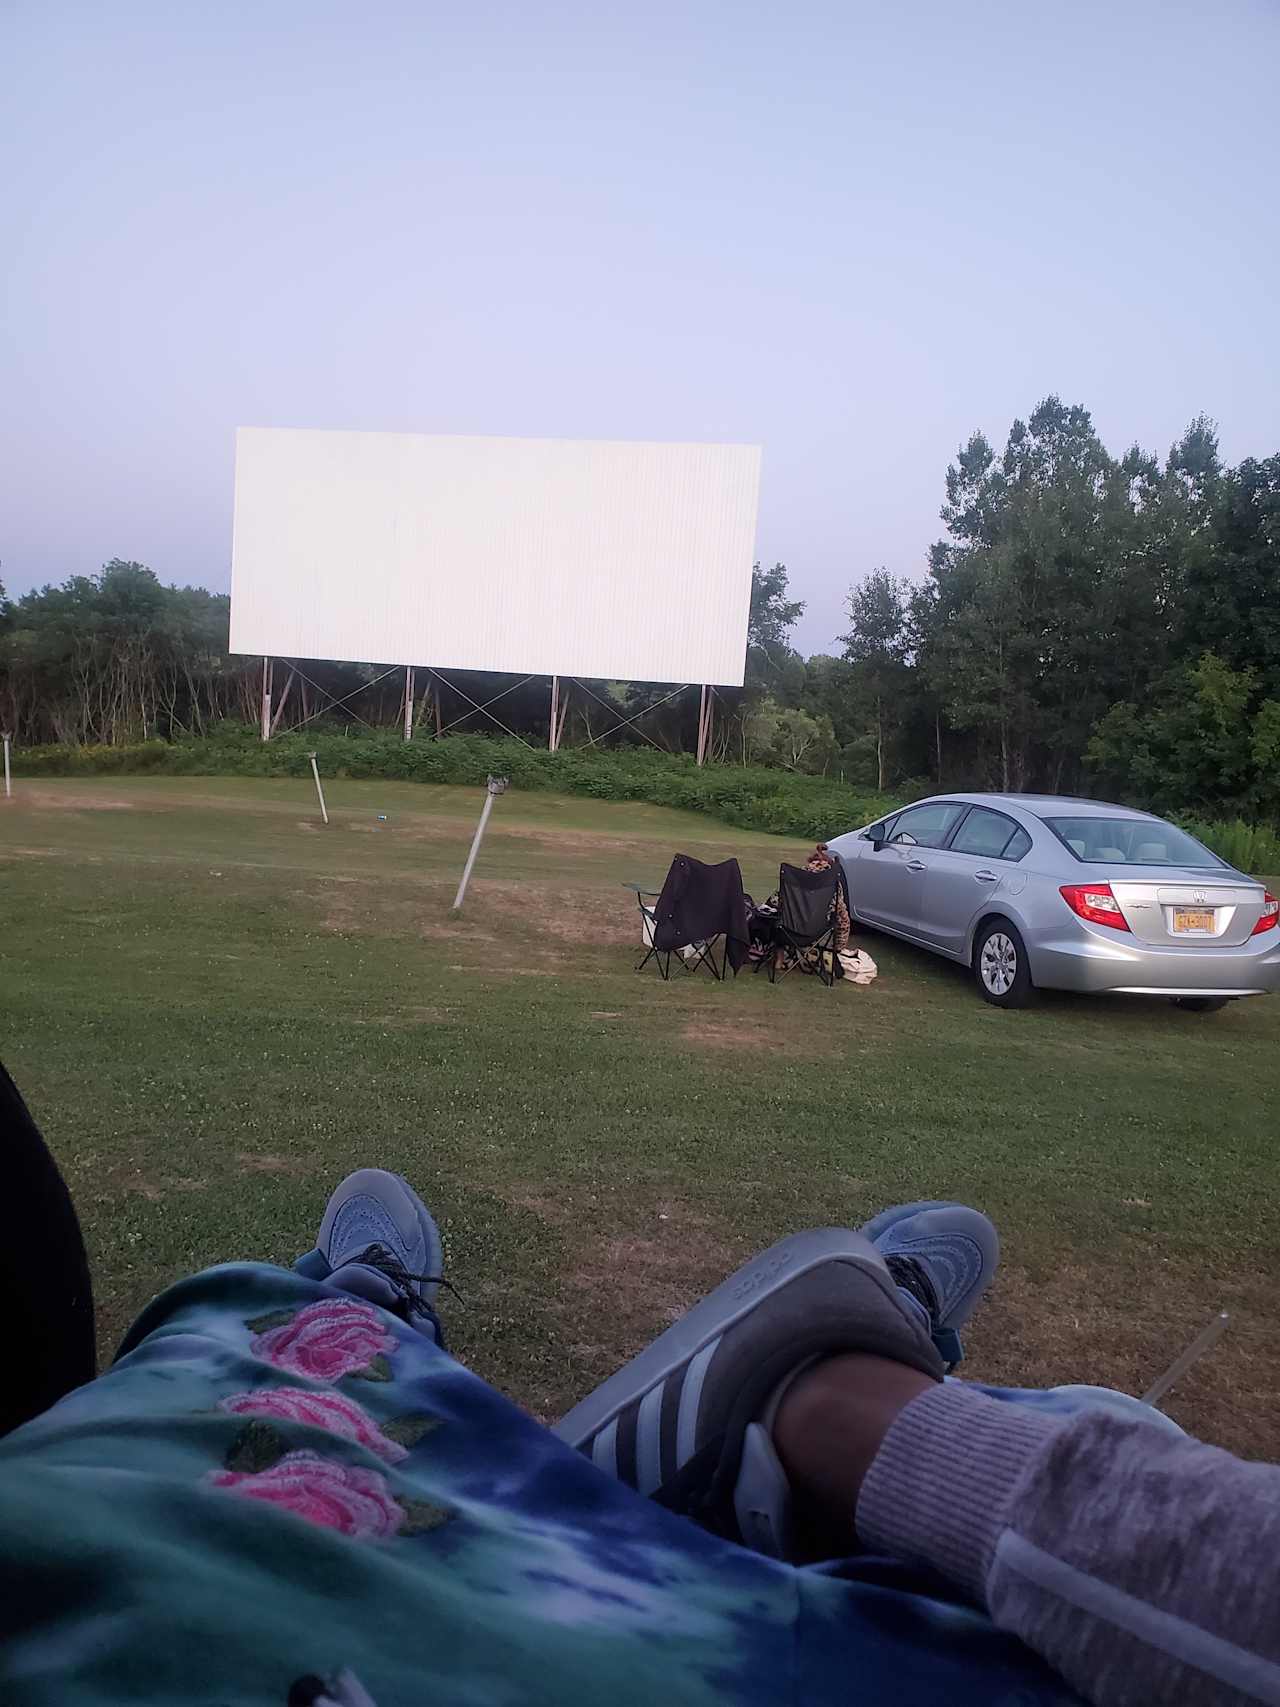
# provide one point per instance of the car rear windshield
(1130, 841)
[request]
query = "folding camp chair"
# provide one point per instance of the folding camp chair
(703, 953)
(804, 921)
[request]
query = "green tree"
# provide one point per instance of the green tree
(876, 648)
(1207, 743)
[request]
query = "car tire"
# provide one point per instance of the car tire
(1200, 1004)
(1001, 968)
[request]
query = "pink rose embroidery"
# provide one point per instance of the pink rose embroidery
(345, 1497)
(332, 1411)
(327, 1340)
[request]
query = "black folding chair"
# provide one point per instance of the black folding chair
(703, 952)
(805, 904)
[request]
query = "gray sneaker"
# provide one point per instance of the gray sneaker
(686, 1422)
(376, 1221)
(944, 1256)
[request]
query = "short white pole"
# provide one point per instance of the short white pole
(319, 791)
(8, 786)
(408, 702)
(494, 786)
(1208, 1336)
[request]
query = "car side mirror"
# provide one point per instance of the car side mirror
(875, 835)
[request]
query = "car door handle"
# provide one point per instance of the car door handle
(986, 877)
(916, 865)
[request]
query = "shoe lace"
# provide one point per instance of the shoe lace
(911, 1277)
(406, 1282)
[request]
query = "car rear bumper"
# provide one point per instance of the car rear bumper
(1085, 960)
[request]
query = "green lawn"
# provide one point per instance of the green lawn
(217, 1007)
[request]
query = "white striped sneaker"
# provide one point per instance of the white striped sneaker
(686, 1421)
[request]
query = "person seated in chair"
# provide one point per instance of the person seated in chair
(821, 859)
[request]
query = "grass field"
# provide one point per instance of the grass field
(216, 1008)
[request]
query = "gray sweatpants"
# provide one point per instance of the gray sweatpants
(1143, 1567)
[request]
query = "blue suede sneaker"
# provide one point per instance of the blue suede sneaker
(942, 1256)
(378, 1240)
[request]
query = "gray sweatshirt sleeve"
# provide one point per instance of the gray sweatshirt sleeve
(1142, 1567)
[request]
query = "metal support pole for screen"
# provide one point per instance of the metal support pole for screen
(493, 787)
(408, 702)
(8, 786)
(268, 670)
(553, 733)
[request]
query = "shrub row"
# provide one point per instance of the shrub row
(1249, 847)
(747, 796)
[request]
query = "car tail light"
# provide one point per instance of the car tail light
(1270, 915)
(1095, 902)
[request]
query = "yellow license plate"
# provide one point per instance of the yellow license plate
(1192, 919)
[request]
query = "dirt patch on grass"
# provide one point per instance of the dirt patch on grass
(577, 916)
(445, 931)
(132, 1182)
(630, 1272)
(74, 800)
(260, 1164)
(624, 1287)
(407, 1017)
(580, 841)
(1097, 1326)
(735, 1034)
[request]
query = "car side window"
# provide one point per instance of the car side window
(926, 826)
(990, 835)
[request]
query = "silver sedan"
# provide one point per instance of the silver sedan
(1036, 891)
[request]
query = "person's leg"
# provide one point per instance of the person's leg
(44, 1273)
(279, 1483)
(1139, 1563)
(687, 1421)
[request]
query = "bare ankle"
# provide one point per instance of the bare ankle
(827, 1432)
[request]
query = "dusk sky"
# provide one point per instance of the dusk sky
(851, 234)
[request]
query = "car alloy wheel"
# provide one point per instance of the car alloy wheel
(999, 964)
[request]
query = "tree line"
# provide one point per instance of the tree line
(1088, 623)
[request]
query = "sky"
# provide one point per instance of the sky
(850, 233)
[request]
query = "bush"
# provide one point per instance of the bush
(1249, 847)
(750, 797)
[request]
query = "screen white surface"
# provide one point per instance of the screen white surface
(549, 556)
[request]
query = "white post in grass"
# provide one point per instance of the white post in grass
(1208, 1336)
(319, 791)
(8, 786)
(494, 786)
